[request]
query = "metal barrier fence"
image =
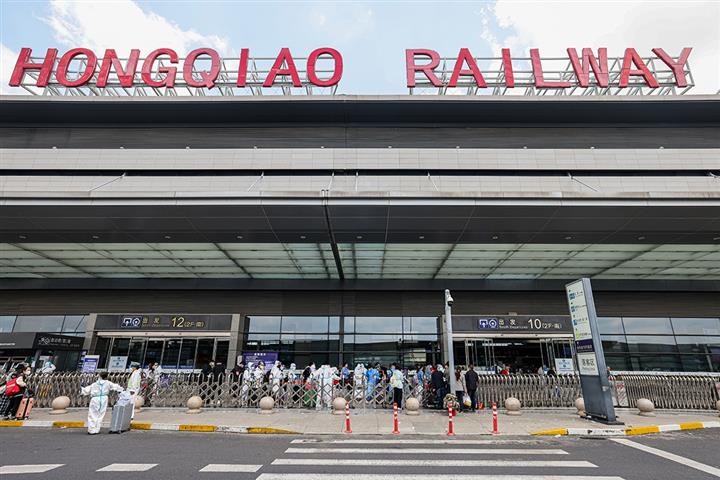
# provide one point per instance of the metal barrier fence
(699, 391)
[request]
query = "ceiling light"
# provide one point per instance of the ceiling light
(22, 237)
(95, 237)
(302, 237)
(716, 238)
(494, 237)
(167, 237)
(359, 237)
(421, 237)
(641, 237)
(569, 237)
(239, 237)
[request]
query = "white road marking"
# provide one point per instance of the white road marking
(432, 463)
(230, 467)
(670, 456)
(18, 469)
(404, 476)
(128, 467)
(413, 442)
(433, 451)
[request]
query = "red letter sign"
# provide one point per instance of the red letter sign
(599, 68)
(242, 67)
(62, 69)
(208, 79)
(465, 57)
(23, 63)
(337, 71)
(169, 79)
(126, 77)
(678, 67)
(277, 69)
(538, 72)
(507, 68)
(427, 69)
(632, 56)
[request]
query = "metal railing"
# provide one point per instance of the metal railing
(673, 391)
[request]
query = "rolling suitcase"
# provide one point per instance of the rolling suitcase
(26, 406)
(122, 414)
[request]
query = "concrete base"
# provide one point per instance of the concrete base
(647, 414)
(58, 412)
(193, 411)
(513, 413)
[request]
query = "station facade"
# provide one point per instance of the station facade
(326, 228)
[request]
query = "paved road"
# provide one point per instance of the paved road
(72, 454)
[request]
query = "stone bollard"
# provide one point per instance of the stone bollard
(193, 404)
(580, 405)
(266, 405)
(59, 405)
(412, 406)
(646, 407)
(512, 406)
(338, 406)
(139, 403)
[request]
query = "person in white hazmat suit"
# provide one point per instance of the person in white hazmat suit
(275, 378)
(323, 377)
(98, 392)
(134, 382)
(247, 377)
(359, 380)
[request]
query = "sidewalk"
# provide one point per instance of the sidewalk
(429, 422)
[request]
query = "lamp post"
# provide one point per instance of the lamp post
(449, 341)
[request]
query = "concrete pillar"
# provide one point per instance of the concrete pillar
(89, 329)
(236, 339)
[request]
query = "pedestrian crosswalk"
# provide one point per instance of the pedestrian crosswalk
(388, 459)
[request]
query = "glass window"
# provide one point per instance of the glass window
(649, 326)
(6, 323)
(696, 326)
(656, 363)
(365, 343)
(651, 344)
(39, 323)
(262, 341)
(349, 324)
(137, 351)
(221, 351)
(264, 324)
(205, 350)
(334, 326)
(696, 363)
(420, 325)
(101, 348)
(187, 354)
(74, 324)
(304, 325)
(153, 351)
(614, 343)
(120, 347)
(610, 325)
(171, 354)
(618, 363)
(378, 324)
(697, 344)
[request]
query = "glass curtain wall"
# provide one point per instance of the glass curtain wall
(171, 353)
(661, 344)
(335, 340)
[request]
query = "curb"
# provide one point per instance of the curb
(183, 427)
(611, 432)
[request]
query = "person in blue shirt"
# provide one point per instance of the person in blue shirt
(345, 374)
(372, 379)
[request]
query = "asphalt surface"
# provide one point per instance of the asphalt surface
(181, 455)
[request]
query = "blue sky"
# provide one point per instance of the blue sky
(372, 36)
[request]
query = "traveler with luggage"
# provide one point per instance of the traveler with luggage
(15, 390)
(98, 392)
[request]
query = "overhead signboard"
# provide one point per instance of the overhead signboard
(590, 357)
(164, 71)
(512, 324)
(162, 322)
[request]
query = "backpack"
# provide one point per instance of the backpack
(12, 388)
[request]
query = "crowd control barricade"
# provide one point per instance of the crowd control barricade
(670, 391)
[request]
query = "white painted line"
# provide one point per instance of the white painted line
(230, 467)
(128, 467)
(164, 426)
(669, 428)
(360, 476)
(19, 469)
(670, 456)
(432, 451)
(231, 429)
(711, 424)
(600, 432)
(365, 462)
(413, 442)
(37, 423)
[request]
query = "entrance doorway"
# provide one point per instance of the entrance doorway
(522, 355)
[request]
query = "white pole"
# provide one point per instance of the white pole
(449, 342)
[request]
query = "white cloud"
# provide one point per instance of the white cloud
(342, 24)
(122, 25)
(554, 26)
(7, 63)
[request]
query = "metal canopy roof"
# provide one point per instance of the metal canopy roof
(350, 109)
